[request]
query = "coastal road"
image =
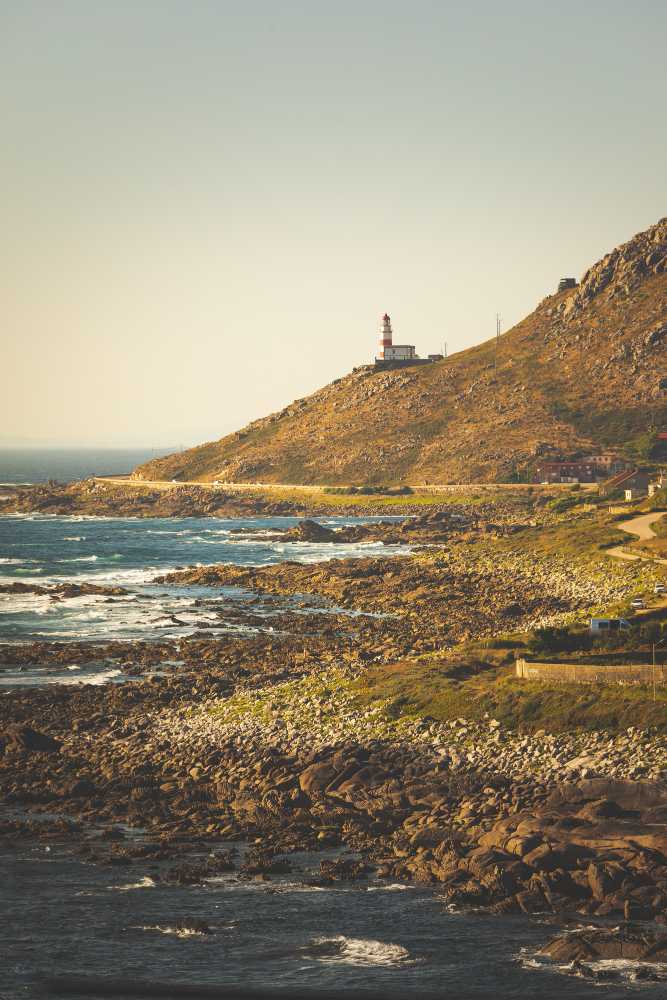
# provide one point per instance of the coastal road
(167, 484)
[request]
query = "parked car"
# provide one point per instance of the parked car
(660, 588)
(637, 604)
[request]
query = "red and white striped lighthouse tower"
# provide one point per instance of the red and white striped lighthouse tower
(385, 335)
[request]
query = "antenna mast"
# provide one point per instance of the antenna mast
(495, 360)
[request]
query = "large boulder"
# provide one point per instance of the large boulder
(316, 777)
(628, 941)
(311, 531)
(623, 793)
(29, 740)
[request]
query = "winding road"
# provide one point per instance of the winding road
(641, 528)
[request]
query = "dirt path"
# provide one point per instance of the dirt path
(641, 528)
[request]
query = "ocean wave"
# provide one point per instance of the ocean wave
(36, 515)
(359, 951)
(101, 678)
(36, 604)
(74, 538)
(179, 932)
(272, 888)
(601, 971)
(144, 883)
(169, 531)
(38, 677)
(392, 887)
(80, 559)
(115, 576)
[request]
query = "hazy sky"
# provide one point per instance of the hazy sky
(206, 206)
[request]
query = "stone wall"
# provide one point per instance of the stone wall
(589, 673)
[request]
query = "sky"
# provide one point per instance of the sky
(206, 206)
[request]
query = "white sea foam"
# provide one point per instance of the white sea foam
(80, 559)
(168, 531)
(629, 969)
(145, 883)
(360, 951)
(38, 677)
(118, 577)
(103, 677)
(179, 932)
(35, 604)
(74, 538)
(392, 887)
(623, 970)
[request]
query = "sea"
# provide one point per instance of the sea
(63, 915)
(129, 553)
(39, 465)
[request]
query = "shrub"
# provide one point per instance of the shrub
(557, 640)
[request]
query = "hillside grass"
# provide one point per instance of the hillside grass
(576, 535)
(470, 688)
(381, 501)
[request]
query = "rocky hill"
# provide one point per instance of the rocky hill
(581, 373)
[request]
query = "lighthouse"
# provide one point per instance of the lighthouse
(385, 336)
(393, 355)
(390, 353)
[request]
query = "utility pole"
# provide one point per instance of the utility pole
(495, 360)
(444, 350)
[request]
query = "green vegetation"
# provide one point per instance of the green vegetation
(389, 491)
(581, 537)
(471, 689)
(332, 497)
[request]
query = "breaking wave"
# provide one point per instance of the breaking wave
(359, 951)
(144, 883)
(179, 932)
(602, 971)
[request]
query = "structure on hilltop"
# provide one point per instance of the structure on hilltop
(583, 377)
(398, 355)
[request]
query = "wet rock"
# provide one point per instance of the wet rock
(344, 869)
(628, 941)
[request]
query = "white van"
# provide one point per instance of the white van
(609, 625)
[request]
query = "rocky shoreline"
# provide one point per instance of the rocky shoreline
(270, 740)
(97, 498)
(443, 596)
(572, 825)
